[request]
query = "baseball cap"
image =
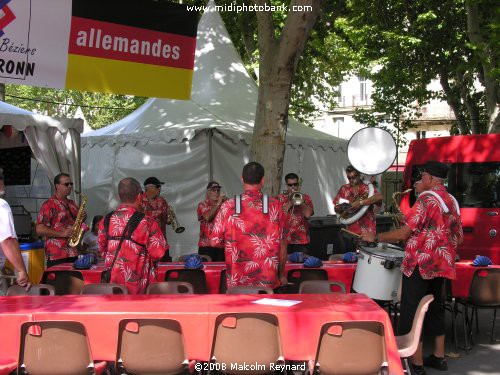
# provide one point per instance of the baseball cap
(152, 181)
(213, 185)
(435, 168)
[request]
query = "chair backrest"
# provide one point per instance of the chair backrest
(407, 344)
(223, 282)
(54, 347)
(195, 277)
(353, 347)
(64, 282)
(336, 257)
(105, 288)
(296, 276)
(321, 287)
(170, 287)
(485, 287)
(150, 346)
(35, 290)
(247, 338)
(204, 257)
(249, 289)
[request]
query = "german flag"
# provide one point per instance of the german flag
(138, 47)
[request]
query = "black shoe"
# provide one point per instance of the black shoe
(436, 362)
(417, 370)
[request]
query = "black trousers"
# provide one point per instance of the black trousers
(294, 247)
(414, 288)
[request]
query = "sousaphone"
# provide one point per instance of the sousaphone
(371, 151)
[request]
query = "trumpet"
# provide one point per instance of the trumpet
(172, 219)
(297, 198)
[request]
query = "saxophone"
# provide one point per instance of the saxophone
(398, 217)
(77, 234)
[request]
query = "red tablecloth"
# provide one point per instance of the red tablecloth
(337, 271)
(299, 324)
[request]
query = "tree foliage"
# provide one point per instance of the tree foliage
(99, 109)
(404, 45)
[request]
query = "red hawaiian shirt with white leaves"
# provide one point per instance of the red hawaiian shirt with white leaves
(251, 240)
(55, 214)
(157, 209)
(433, 244)
(298, 227)
(206, 227)
(135, 265)
(367, 222)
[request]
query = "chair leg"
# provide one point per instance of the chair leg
(477, 320)
(493, 339)
(407, 366)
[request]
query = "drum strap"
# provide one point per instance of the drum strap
(441, 202)
(265, 204)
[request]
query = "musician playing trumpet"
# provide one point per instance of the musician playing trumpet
(207, 210)
(298, 207)
(351, 198)
(55, 222)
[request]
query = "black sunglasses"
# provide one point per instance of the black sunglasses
(67, 184)
(291, 185)
(352, 177)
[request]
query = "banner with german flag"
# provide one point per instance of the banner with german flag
(136, 47)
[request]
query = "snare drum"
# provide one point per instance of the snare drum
(378, 274)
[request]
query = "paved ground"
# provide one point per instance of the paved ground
(482, 359)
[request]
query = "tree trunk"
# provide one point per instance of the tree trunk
(277, 66)
(2, 92)
(453, 101)
(488, 64)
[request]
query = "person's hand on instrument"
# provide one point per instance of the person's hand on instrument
(67, 232)
(368, 237)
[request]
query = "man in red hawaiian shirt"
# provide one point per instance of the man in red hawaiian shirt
(152, 204)
(296, 215)
(206, 215)
(356, 194)
(55, 220)
(136, 261)
(432, 233)
(254, 239)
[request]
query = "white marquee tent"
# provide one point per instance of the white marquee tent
(188, 143)
(55, 142)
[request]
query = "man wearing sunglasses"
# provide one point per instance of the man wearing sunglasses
(55, 222)
(355, 193)
(296, 215)
(432, 233)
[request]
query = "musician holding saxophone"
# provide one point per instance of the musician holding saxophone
(207, 210)
(351, 198)
(56, 221)
(298, 207)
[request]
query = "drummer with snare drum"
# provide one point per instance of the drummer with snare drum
(432, 232)
(354, 204)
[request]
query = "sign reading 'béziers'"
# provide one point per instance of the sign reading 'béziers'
(133, 47)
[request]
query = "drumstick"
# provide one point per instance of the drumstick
(351, 233)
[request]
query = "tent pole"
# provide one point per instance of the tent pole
(210, 155)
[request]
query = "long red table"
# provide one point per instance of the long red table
(337, 271)
(300, 324)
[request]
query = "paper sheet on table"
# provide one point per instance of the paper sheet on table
(276, 302)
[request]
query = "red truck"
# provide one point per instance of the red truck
(473, 179)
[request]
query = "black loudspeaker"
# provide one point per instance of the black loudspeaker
(326, 238)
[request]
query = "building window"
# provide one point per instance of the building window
(362, 89)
